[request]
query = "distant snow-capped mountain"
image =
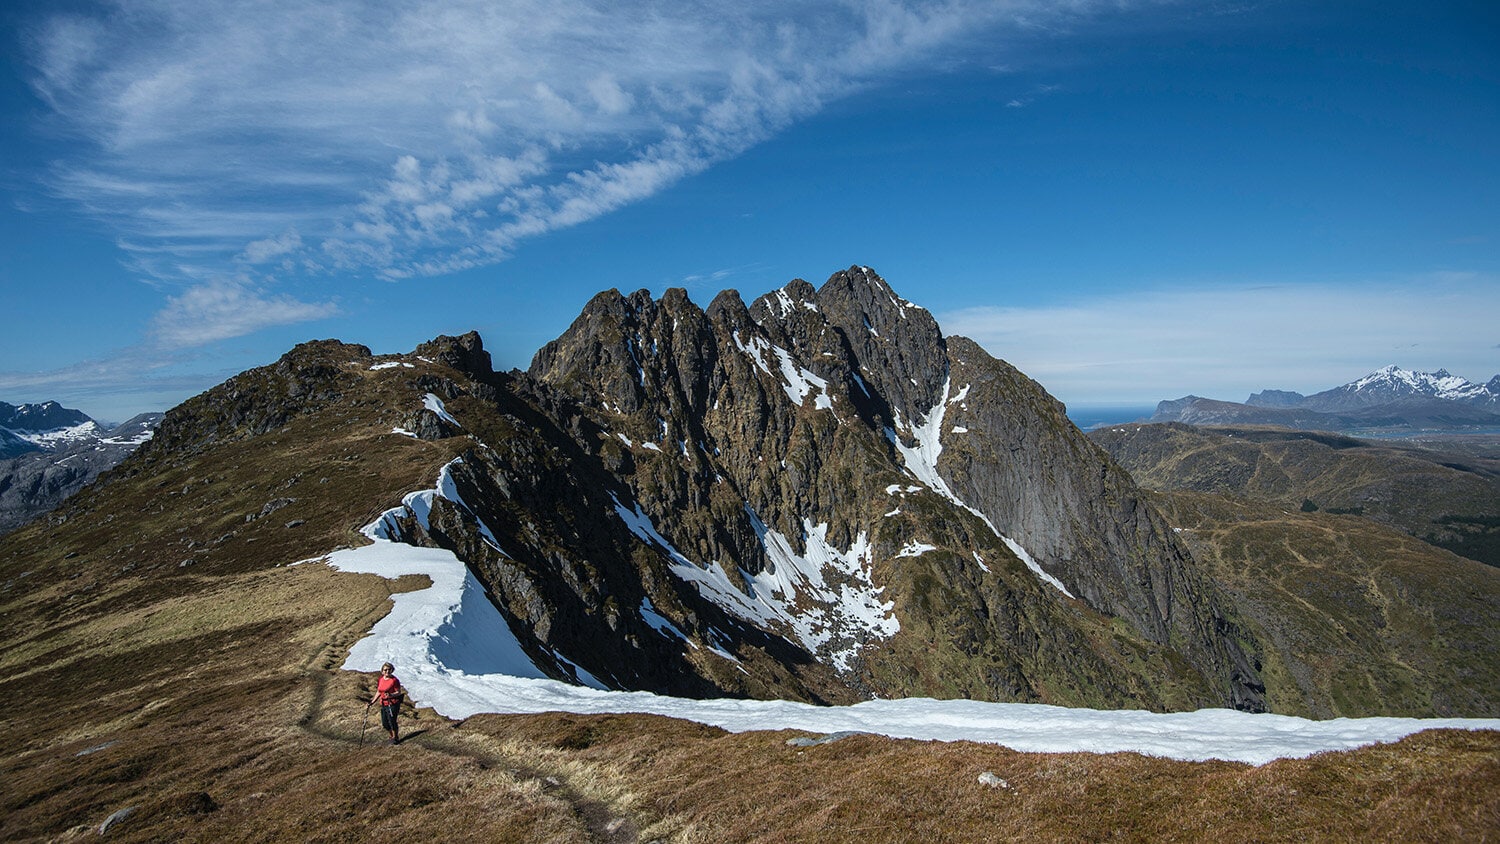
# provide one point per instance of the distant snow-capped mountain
(1394, 384)
(1385, 386)
(48, 452)
(43, 427)
(1391, 397)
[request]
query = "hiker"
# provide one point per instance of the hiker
(389, 693)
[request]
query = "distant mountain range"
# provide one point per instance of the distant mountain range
(48, 452)
(1390, 398)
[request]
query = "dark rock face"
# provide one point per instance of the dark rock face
(839, 421)
(1062, 498)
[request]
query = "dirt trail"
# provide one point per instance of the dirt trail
(336, 717)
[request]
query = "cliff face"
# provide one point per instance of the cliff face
(815, 496)
(925, 515)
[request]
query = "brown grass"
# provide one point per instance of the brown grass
(246, 730)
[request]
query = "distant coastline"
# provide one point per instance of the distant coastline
(1090, 416)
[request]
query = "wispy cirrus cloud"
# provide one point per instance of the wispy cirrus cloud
(422, 137)
(223, 309)
(1226, 342)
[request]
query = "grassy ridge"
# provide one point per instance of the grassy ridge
(236, 730)
(1354, 618)
(1448, 499)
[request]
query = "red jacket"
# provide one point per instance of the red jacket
(389, 689)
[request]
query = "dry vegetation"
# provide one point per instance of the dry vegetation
(1353, 618)
(222, 715)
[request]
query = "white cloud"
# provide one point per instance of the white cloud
(422, 136)
(261, 251)
(1228, 342)
(608, 95)
(223, 309)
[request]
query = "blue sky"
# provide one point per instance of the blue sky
(1128, 201)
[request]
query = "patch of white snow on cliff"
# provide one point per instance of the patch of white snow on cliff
(795, 381)
(823, 597)
(435, 404)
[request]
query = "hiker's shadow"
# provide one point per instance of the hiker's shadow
(406, 737)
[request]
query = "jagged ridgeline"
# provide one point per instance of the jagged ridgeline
(816, 497)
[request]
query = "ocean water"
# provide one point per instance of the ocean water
(1090, 416)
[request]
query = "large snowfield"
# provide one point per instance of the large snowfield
(455, 653)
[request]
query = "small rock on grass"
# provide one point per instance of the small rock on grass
(115, 818)
(990, 779)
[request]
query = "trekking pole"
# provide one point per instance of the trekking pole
(365, 723)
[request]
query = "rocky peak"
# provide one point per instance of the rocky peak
(464, 353)
(310, 376)
(816, 424)
(47, 416)
(899, 351)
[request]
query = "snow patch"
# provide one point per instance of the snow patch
(435, 404)
(797, 382)
(390, 365)
(138, 439)
(89, 430)
(823, 597)
(453, 649)
(444, 640)
(860, 382)
(661, 623)
(419, 505)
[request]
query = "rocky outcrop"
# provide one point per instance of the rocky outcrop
(311, 376)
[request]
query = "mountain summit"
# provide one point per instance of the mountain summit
(1386, 386)
(814, 496)
(1389, 398)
